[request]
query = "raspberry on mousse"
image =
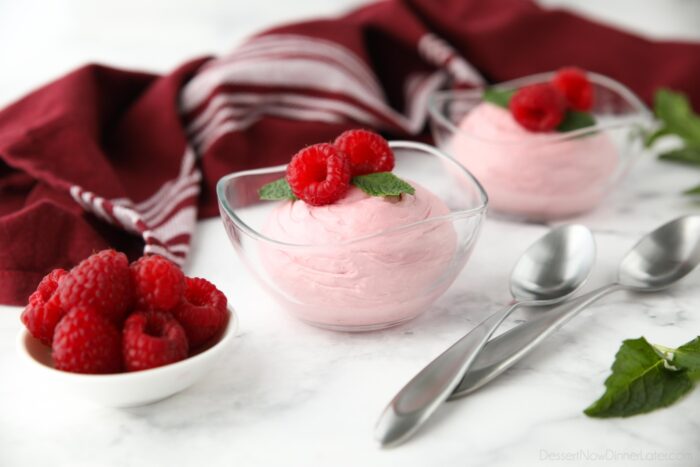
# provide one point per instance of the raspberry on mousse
(578, 91)
(319, 174)
(368, 151)
(538, 107)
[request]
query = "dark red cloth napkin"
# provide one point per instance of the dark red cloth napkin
(105, 157)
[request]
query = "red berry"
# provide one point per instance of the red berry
(101, 282)
(577, 89)
(43, 311)
(151, 339)
(539, 107)
(87, 342)
(368, 152)
(202, 311)
(158, 283)
(319, 174)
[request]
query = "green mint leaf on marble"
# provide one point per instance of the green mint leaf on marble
(693, 191)
(640, 382)
(382, 184)
(499, 97)
(686, 155)
(685, 357)
(574, 120)
(651, 138)
(277, 190)
(677, 118)
(674, 111)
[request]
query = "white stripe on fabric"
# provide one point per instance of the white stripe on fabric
(282, 43)
(293, 113)
(164, 252)
(161, 208)
(225, 103)
(440, 53)
(167, 210)
(182, 222)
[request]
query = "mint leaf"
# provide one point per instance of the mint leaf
(382, 184)
(500, 97)
(677, 116)
(574, 120)
(687, 356)
(686, 155)
(277, 190)
(651, 138)
(639, 383)
(693, 191)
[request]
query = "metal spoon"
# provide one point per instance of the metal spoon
(658, 260)
(550, 270)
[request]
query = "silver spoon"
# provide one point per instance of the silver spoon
(658, 260)
(550, 270)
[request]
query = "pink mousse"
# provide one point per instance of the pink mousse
(382, 280)
(533, 175)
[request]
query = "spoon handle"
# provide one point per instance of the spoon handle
(504, 351)
(423, 394)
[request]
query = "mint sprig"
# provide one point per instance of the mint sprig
(677, 118)
(382, 184)
(277, 190)
(573, 119)
(374, 184)
(647, 377)
(497, 96)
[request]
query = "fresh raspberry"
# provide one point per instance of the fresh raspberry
(158, 283)
(101, 282)
(319, 174)
(368, 152)
(539, 107)
(87, 342)
(43, 312)
(202, 311)
(151, 339)
(578, 91)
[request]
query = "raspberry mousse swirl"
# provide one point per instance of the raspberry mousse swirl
(338, 281)
(536, 175)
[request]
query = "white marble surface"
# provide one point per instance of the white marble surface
(293, 395)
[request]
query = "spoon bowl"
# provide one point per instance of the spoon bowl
(549, 271)
(554, 267)
(662, 257)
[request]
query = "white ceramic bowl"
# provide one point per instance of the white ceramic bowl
(125, 389)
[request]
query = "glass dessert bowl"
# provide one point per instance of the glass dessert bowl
(373, 262)
(542, 176)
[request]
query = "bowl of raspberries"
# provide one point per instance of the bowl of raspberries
(125, 334)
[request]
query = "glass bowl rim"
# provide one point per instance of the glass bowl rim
(644, 117)
(433, 151)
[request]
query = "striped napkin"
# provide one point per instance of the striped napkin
(106, 157)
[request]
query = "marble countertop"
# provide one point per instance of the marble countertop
(290, 394)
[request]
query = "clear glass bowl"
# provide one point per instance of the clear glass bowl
(542, 176)
(378, 280)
